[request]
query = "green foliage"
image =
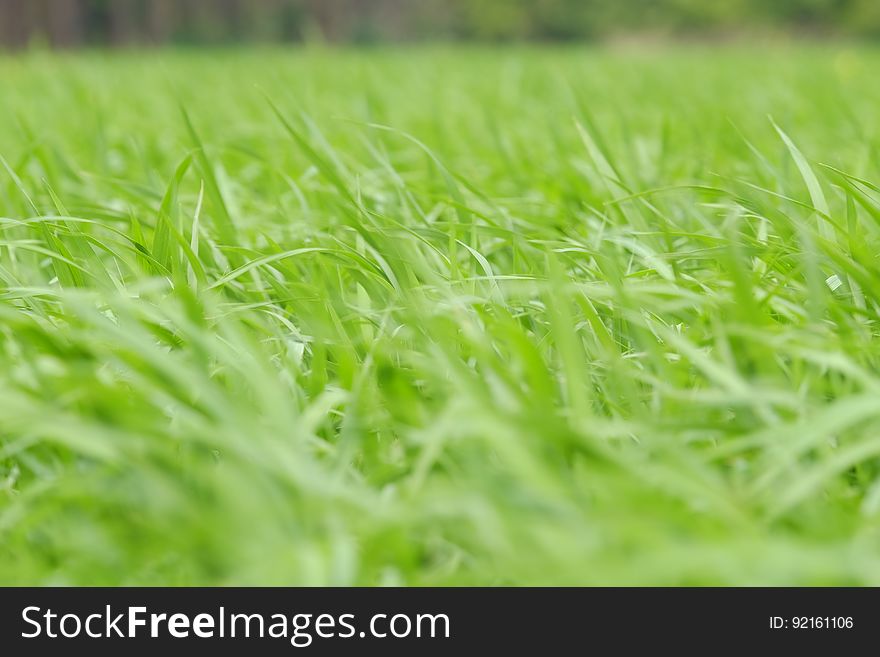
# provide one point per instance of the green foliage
(440, 316)
(71, 22)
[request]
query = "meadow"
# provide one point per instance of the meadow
(440, 316)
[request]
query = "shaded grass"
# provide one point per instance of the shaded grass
(440, 317)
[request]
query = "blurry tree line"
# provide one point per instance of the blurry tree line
(66, 23)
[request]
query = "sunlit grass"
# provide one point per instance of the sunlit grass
(440, 317)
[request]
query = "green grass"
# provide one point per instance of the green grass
(436, 317)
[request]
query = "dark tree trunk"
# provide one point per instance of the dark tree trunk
(392, 16)
(329, 16)
(14, 24)
(161, 19)
(232, 17)
(122, 21)
(65, 22)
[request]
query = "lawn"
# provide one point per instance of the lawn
(441, 316)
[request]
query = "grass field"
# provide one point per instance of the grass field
(440, 317)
